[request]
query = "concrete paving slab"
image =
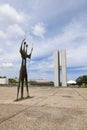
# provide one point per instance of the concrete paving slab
(49, 108)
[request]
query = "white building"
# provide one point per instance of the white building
(3, 80)
(71, 82)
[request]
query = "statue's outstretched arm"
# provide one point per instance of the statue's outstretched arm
(21, 48)
(29, 56)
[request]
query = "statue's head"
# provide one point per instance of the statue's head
(24, 43)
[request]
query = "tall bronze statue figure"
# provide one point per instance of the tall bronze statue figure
(23, 71)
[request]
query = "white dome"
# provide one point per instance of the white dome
(71, 82)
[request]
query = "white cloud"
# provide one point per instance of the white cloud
(70, 33)
(3, 35)
(50, 9)
(8, 43)
(41, 68)
(6, 65)
(9, 14)
(77, 56)
(39, 30)
(73, 38)
(15, 30)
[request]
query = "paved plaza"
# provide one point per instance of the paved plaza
(49, 108)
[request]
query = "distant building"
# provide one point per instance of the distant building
(71, 82)
(3, 81)
(41, 82)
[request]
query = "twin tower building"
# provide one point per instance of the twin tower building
(60, 76)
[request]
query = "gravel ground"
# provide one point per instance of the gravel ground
(49, 108)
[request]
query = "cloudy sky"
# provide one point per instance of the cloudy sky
(47, 25)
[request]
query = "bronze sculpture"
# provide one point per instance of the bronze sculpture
(23, 70)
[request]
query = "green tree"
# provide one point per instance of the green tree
(32, 82)
(12, 80)
(2, 76)
(82, 80)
